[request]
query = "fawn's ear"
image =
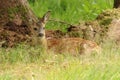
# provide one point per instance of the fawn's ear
(46, 16)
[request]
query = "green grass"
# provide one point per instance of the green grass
(71, 11)
(20, 64)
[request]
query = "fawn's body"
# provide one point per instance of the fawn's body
(72, 45)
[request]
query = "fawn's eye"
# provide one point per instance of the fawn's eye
(35, 29)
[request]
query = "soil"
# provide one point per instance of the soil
(16, 22)
(12, 33)
(56, 34)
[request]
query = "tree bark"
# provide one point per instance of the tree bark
(116, 3)
(16, 21)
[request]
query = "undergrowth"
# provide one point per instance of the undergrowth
(71, 11)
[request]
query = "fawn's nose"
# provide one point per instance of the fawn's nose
(40, 35)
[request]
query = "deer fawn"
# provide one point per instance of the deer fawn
(64, 45)
(39, 34)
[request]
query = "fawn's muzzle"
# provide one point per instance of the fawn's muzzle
(40, 35)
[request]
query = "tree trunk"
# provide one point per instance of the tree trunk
(116, 3)
(16, 22)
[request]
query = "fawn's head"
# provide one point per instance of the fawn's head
(41, 23)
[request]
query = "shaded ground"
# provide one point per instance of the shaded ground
(97, 30)
(12, 33)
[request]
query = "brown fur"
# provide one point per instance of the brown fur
(72, 46)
